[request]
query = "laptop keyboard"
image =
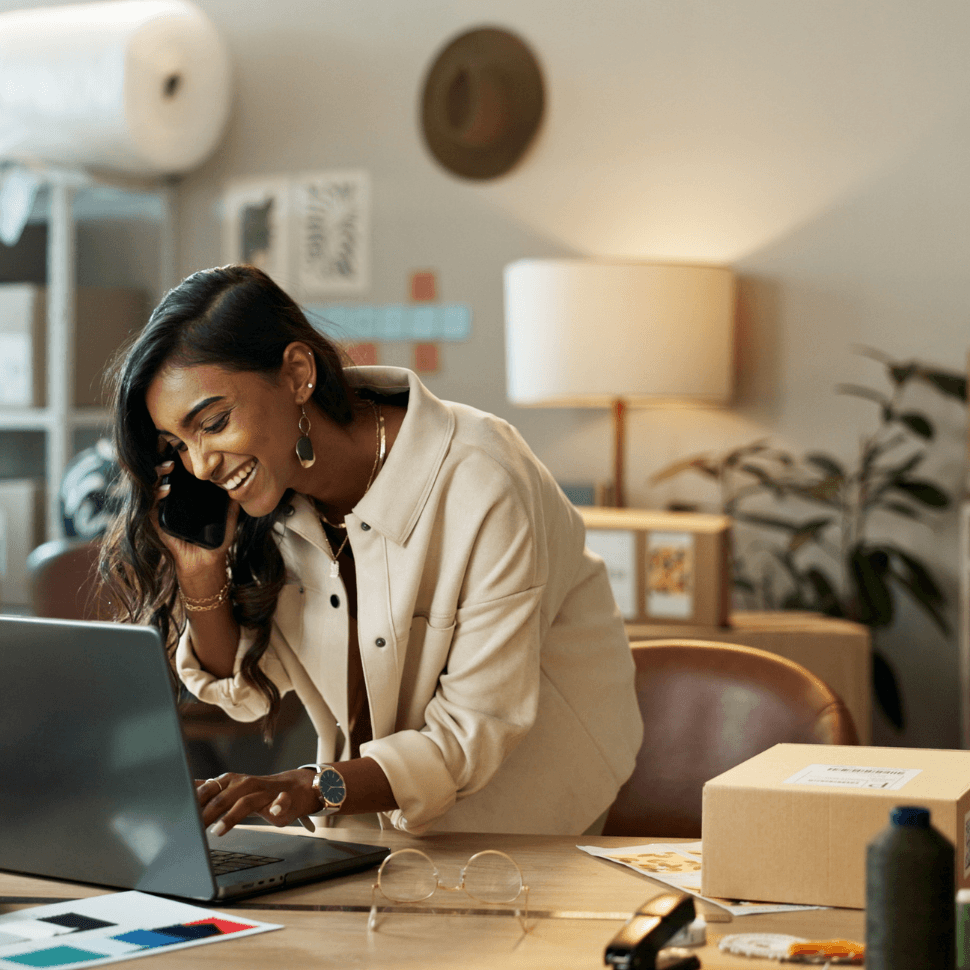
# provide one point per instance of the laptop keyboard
(223, 862)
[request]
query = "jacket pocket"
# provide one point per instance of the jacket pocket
(426, 657)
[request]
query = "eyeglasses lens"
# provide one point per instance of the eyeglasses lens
(492, 877)
(408, 876)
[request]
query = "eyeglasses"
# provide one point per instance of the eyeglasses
(409, 876)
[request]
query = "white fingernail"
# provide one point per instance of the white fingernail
(276, 809)
(217, 828)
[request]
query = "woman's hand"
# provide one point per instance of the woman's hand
(196, 566)
(280, 799)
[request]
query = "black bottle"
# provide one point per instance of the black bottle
(910, 910)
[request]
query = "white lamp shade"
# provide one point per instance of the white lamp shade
(583, 333)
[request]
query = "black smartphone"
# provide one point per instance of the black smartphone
(194, 510)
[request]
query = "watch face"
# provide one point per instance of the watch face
(332, 786)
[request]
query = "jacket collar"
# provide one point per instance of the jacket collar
(398, 495)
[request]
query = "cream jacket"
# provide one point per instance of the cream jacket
(497, 669)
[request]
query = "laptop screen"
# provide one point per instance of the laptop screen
(95, 785)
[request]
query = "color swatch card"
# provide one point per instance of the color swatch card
(106, 929)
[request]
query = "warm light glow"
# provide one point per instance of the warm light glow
(582, 333)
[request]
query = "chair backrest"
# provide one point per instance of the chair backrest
(707, 707)
(62, 576)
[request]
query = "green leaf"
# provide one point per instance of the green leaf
(898, 508)
(913, 572)
(697, 463)
(808, 532)
(946, 382)
(766, 479)
(872, 596)
(917, 423)
(829, 466)
(756, 447)
(899, 374)
(909, 464)
(826, 597)
(768, 521)
(826, 492)
(886, 689)
(857, 390)
(922, 491)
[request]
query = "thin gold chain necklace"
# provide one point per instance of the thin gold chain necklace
(375, 468)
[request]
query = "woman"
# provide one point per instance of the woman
(405, 564)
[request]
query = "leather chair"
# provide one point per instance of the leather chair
(707, 707)
(61, 577)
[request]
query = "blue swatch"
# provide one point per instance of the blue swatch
(148, 938)
(54, 957)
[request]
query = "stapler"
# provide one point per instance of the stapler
(647, 931)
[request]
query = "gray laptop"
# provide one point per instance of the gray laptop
(94, 782)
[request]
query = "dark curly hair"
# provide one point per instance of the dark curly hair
(235, 317)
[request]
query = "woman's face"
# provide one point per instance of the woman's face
(235, 428)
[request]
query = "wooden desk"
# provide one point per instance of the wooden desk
(576, 903)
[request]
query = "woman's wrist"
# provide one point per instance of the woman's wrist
(206, 603)
(204, 588)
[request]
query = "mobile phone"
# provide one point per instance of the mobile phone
(194, 510)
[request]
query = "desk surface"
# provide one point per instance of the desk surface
(576, 903)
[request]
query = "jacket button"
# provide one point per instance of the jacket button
(335, 601)
(365, 526)
(380, 642)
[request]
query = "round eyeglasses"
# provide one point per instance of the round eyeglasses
(490, 876)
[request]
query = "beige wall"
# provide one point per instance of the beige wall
(821, 148)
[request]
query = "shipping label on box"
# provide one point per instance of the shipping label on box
(792, 824)
(664, 567)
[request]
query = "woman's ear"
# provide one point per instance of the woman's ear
(299, 370)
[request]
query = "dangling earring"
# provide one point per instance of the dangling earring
(304, 446)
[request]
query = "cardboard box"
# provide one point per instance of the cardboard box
(104, 319)
(835, 650)
(21, 528)
(665, 567)
(791, 825)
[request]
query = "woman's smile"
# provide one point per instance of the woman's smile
(241, 478)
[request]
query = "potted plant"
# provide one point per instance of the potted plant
(831, 558)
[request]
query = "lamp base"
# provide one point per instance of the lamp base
(618, 409)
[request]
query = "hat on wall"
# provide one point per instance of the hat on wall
(482, 103)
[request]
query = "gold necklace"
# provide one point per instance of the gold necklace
(379, 457)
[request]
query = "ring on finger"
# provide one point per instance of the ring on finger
(216, 782)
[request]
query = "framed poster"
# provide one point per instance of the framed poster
(332, 217)
(617, 547)
(256, 226)
(670, 575)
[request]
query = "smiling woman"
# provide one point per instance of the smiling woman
(404, 564)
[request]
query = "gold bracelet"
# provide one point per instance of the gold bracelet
(208, 602)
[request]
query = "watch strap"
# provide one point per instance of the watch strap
(326, 806)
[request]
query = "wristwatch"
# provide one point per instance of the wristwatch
(329, 784)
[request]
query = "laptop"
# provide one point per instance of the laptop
(95, 785)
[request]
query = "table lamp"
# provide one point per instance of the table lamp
(618, 334)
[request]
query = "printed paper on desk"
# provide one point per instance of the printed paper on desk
(106, 929)
(678, 865)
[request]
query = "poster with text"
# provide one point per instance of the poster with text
(332, 217)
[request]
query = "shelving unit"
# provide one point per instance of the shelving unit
(69, 195)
